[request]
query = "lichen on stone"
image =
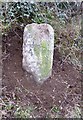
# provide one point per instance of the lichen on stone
(42, 52)
(45, 65)
(36, 50)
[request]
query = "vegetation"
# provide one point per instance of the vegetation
(67, 27)
(65, 17)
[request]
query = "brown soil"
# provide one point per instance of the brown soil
(62, 89)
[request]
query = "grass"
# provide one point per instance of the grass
(16, 110)
(68, 41)
(23, 113)
(74, 112)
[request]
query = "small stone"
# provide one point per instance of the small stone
(9, 44)
(54, 90)
(59, 101)
(38, 46)
(61, 108)
(14, 72)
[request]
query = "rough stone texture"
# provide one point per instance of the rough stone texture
(38, 45)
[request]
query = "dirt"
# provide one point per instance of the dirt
(62, 89)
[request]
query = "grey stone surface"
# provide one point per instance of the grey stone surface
(38, 46)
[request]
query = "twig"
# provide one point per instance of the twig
(17, 34)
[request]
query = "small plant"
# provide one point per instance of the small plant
(55, 109)
(74, 112)
(15, 110)
(54, 112)
(25, 12)
(23, 113)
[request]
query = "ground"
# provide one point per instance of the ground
(59, 96)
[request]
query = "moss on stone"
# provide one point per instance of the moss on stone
(36, 50)
(46, 59)
(45, 64)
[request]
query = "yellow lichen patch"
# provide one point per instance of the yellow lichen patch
(36, 50)
(46, 59)
(43, 54)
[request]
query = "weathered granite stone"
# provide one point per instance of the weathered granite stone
(38, 45)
